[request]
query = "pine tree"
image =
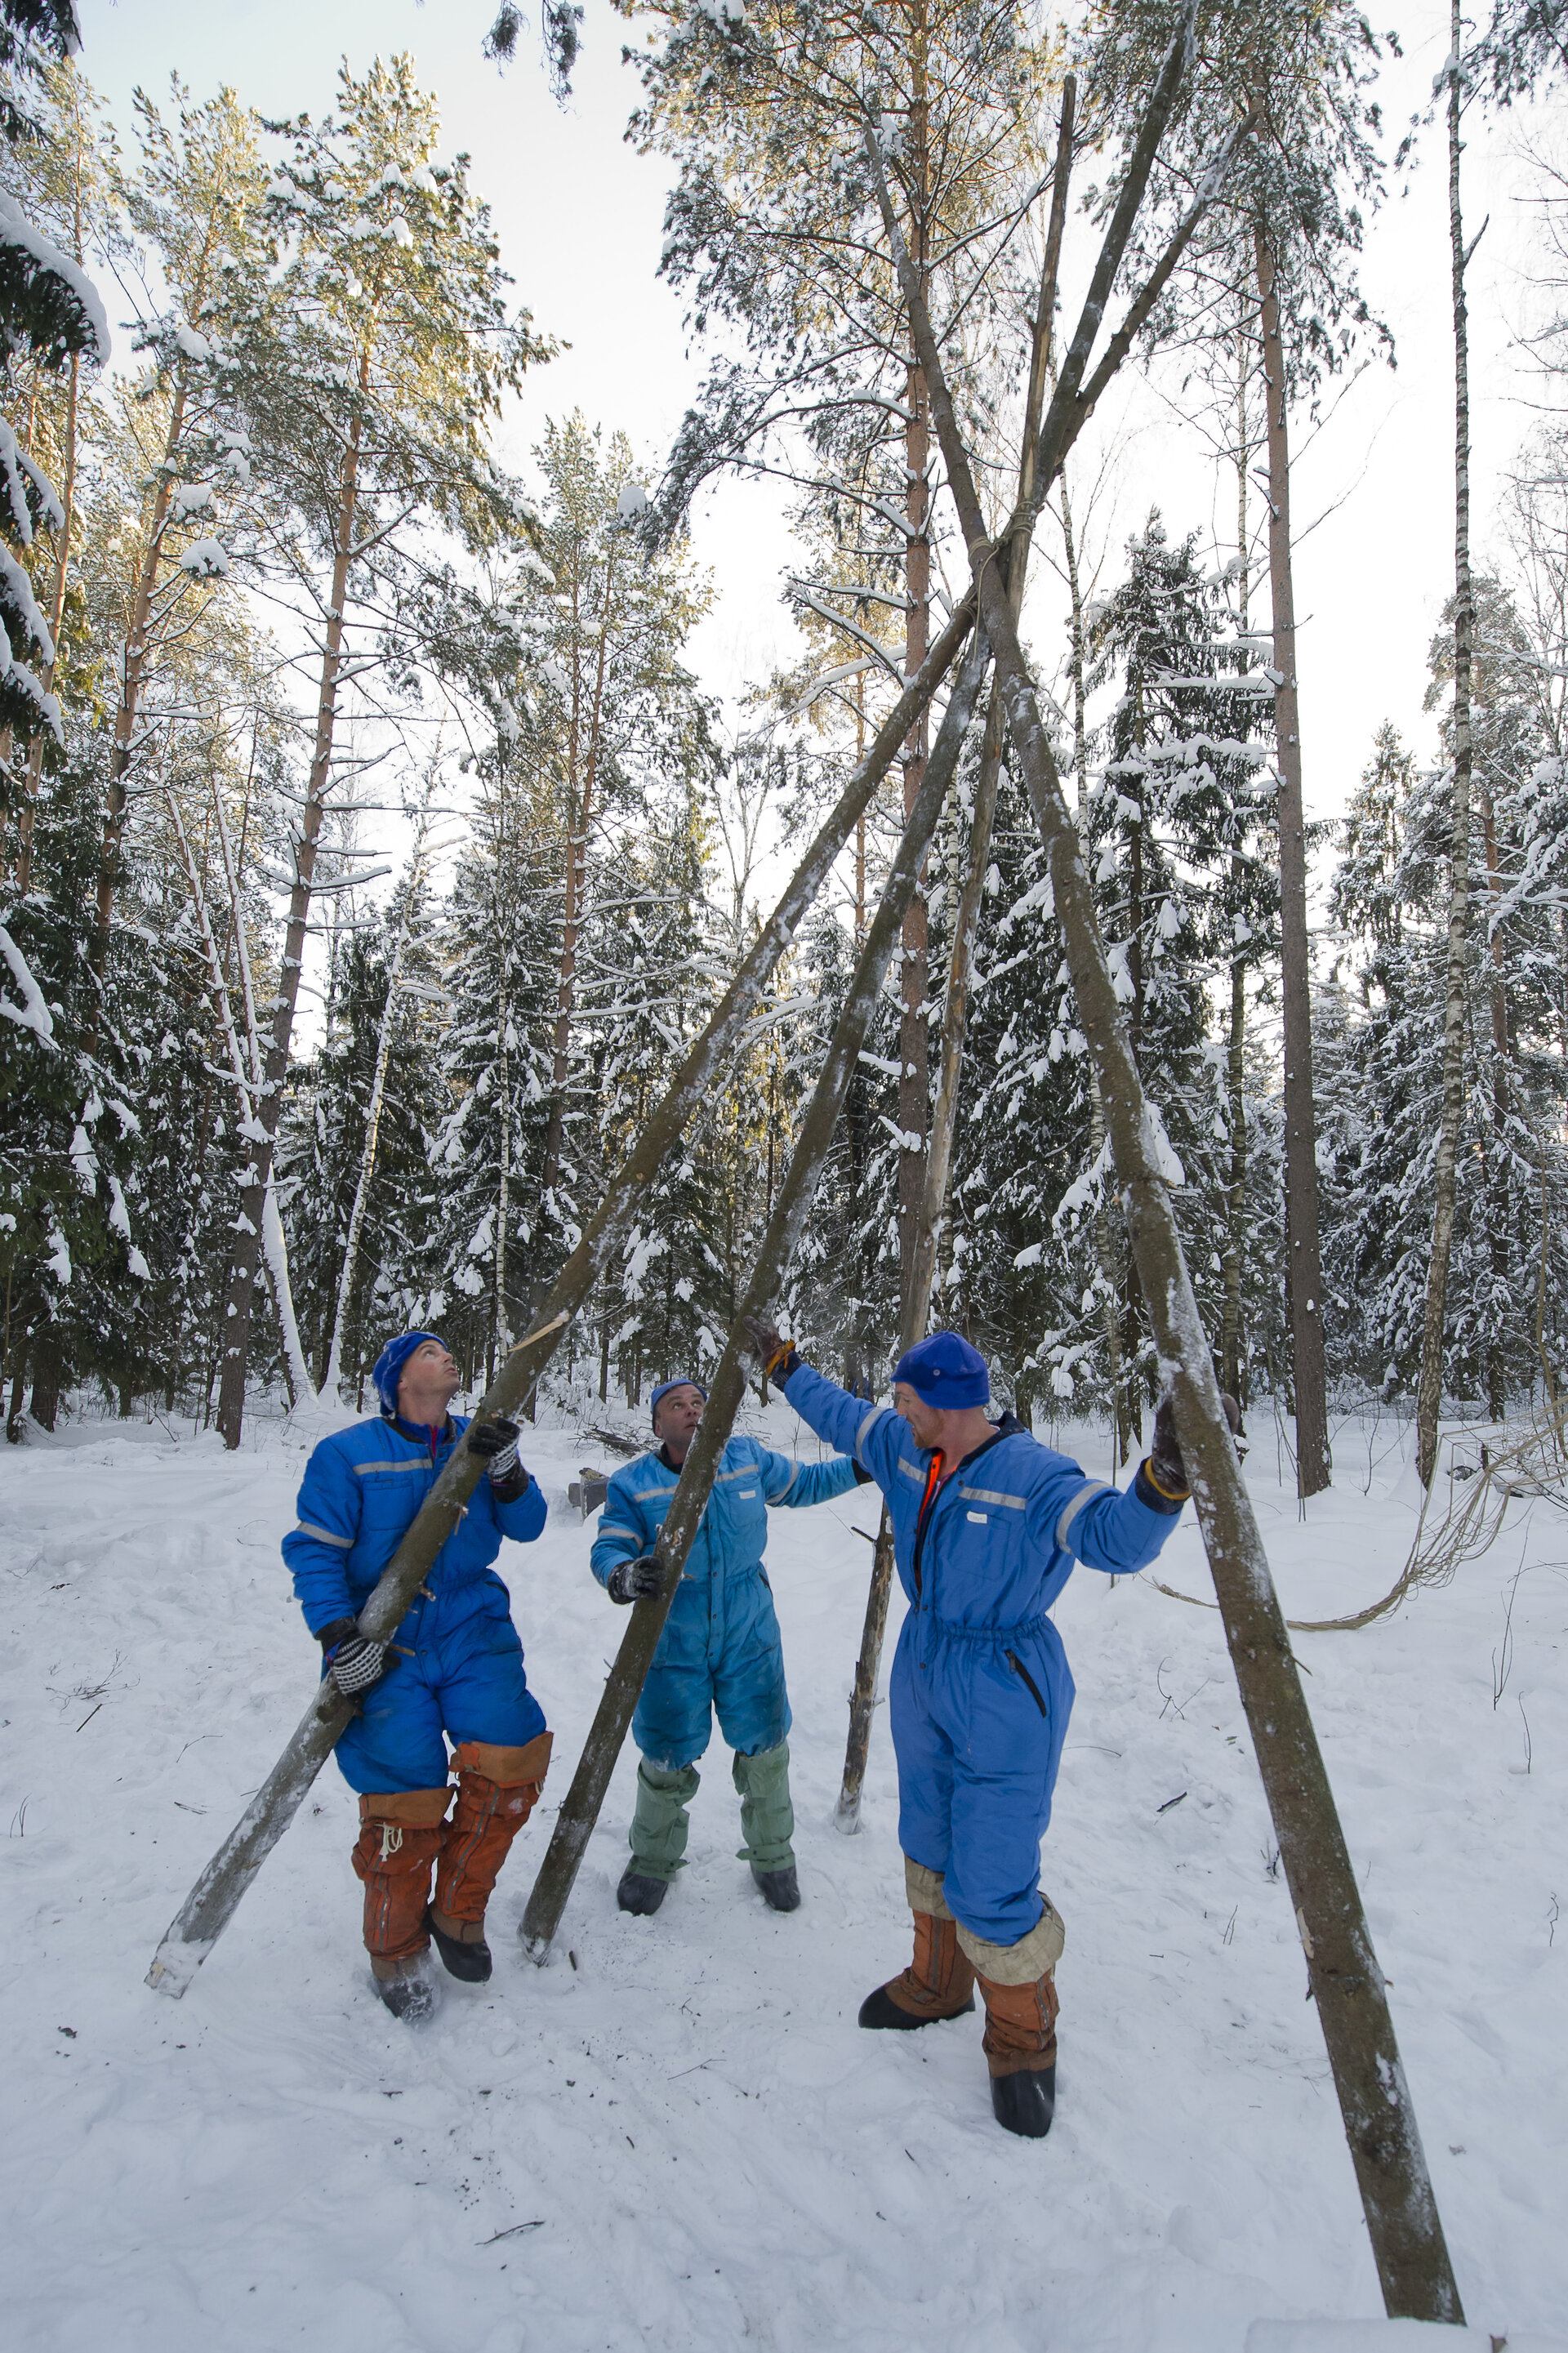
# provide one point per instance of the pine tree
(372, 372)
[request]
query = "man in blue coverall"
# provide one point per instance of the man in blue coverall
(455, 1667)
(720, 1647)
(986, 1526)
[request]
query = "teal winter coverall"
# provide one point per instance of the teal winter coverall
(981, 1689)
(721, 1647)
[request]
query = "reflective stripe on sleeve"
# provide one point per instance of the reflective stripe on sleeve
(874, 1414)
(1086, 1495)
(322, 1536)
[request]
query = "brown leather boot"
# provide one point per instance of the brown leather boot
(497, 1788)
(401, 1833)
(938, 1983)
(1020, 2046)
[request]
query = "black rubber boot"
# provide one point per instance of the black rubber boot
(879, 2009)
(1026, 2102)
(638, 1893)
(780, 1888)
(471, 1962)
(413, 1995)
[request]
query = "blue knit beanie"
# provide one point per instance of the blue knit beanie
(390, 1362)
(683, 1381)
(944, 1371)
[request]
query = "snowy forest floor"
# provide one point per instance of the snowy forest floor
(680, 2126)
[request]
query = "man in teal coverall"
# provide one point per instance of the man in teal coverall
(720, 1647)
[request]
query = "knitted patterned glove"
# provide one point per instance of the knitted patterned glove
(353, 1661)
(496, 1442)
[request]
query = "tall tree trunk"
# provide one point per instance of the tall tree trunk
(1303, 1254)
(1104, 1240)
(247, 1237)
(133, 667)
(1236, 1197)
(1498, 1187)
(275, 1248)
(914, 1082)
(35, 768)
(367, 1155)
(1236, 1202)
(583, 777)
(1429, 1395)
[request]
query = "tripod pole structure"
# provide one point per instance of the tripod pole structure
(575, 1823)
(213, 1901)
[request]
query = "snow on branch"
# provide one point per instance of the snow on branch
(32, 1013)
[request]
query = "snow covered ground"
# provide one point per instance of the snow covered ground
(675, 2136)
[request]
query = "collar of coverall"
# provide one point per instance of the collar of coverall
(1008, 1427)
(419, 1432)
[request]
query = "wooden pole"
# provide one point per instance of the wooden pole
(575, 1823)
(212, 1902)
(921, 1262)
(1343, 1974)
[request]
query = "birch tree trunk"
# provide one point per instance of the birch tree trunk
(372, 1127)
(236, 1337)
(273, 1242)
(1429, 1395)
(1303, 1254)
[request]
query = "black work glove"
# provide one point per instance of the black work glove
(777, 1356)
(495, 1442)
(1165, 1463)
(353, 1661)
(636, 1580)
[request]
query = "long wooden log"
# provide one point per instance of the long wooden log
(1343, 1974)
(212, 1902)
(575, 1823)
(921, 1272)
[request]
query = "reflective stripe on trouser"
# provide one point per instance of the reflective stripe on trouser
(497, 1788)
(767, 1817)
(402, 1833)
(660, 1823)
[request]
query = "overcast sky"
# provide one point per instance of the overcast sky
(579, 218)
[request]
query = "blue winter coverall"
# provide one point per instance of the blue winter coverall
(456, 1661)
(721, 1647)
(981, 1689)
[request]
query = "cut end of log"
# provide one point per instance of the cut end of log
(536, 1947)
(176, 1964)
(847, 1816)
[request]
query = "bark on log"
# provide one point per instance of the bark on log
(575, 1823)
(212, 1902)
(1343, 1974)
